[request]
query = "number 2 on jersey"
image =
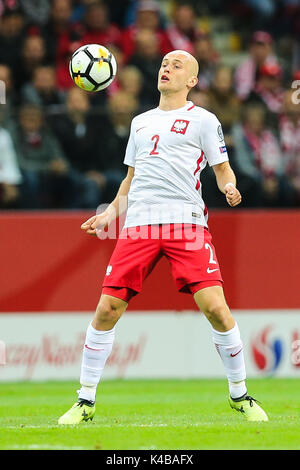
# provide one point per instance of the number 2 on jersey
(156, 139)
(211, 258)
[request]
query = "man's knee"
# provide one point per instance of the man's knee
(109, 310)
(218, 314)
(216, 310)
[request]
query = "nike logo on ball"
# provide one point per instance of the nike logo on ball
(212, 270)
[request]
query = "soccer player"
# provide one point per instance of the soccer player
(167, 149)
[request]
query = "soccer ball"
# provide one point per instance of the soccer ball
(93, 67)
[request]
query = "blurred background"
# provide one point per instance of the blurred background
(61, 155)
(63, 148)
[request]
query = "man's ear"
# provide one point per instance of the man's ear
(192, 82)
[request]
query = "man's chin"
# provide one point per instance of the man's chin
(163, 86)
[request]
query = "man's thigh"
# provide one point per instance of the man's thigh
(133, 259)
(210, 298)
(192, 257)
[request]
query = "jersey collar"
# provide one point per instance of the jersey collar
(183, 108)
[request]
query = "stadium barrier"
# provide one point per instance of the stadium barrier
(50, 281)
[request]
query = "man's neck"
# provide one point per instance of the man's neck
(169, 102)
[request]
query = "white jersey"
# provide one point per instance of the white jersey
(168, 150)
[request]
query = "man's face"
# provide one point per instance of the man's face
(61, 11)
(260, 52)
(147, 19)
(44, 79)
(184, 18)
(270, 83)
(255, 120)
(34, 49)
(31, 120)
(176, 73)
(5, 76)
(77, 101)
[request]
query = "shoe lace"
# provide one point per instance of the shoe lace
(82, 402)
(251, 400)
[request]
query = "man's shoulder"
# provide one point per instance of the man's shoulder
(194, 111)
(203, 113)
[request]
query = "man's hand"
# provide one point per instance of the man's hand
(58, 166)
(97, 223)
(296, 183)
(98, 177)
(10, 193)
(233, 196)
(270, 186)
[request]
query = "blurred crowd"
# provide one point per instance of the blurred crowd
(61, 147)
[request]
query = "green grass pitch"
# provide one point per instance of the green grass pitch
(150, 414)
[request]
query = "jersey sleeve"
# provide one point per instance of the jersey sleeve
(130, 149)
(212, 141)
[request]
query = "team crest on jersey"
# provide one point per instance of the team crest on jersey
(180, 126)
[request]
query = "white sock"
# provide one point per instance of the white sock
(230, 349)
(97, 348)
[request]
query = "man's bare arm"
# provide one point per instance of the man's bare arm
(120, 203)
(114, 210)
(226, 182)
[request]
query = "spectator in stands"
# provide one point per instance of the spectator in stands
(47, 179)
(36, 11)
(11, 38)
(33, 55)
(224, 102)
(147, 59)
(207, 58)
(147, 17)
(81, 136)
(248, 72)
(183, 31)
(118, 11)
(96, 144)
(108, 170)
(77, 131)
(269, 90)
(199, 98)
(57, 28)
(131, 81)
(10, 175)
(118, 53)
(290, 139)
(10, 97)
(91, 144)
(121, 109)
(62, 39)
(259, 162)
(98, 29)
(42, 90)
(79, 10)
